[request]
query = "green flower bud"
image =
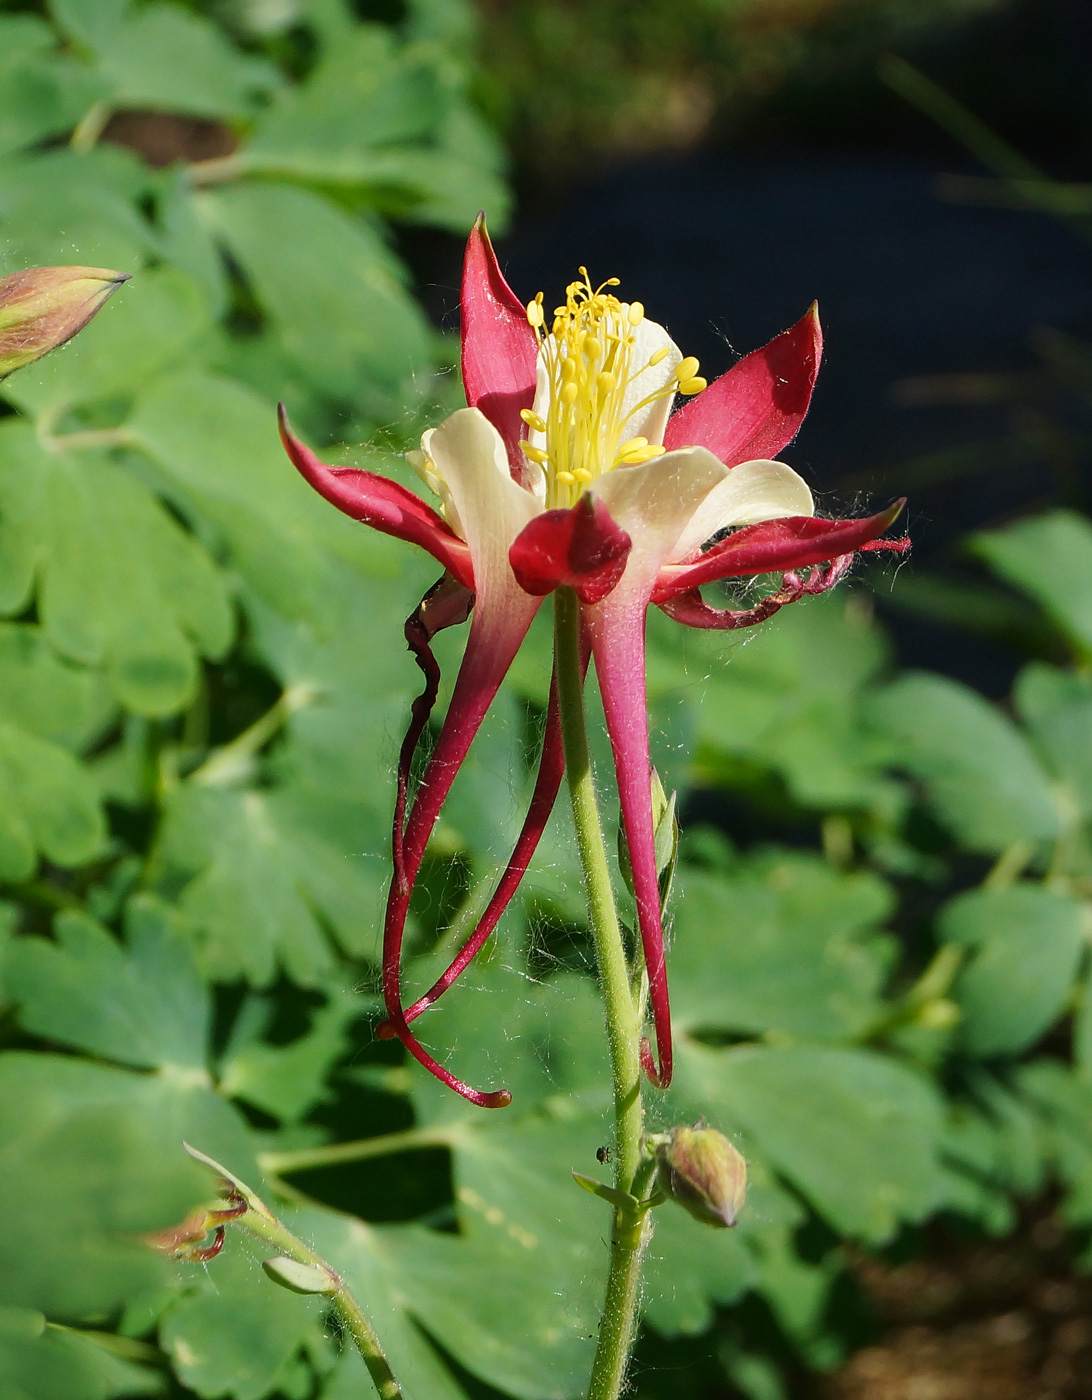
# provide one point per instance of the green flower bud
(43, 307)
(699, 1168)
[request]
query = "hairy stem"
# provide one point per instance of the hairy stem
(268, 1229)
(258, 1221)
(630, 1229)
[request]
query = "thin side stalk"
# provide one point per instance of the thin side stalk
(267, 1228)
(250, 1214)
(630, 1228)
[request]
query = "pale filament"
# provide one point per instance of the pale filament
(588, 358)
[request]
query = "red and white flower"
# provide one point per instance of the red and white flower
(568, 468)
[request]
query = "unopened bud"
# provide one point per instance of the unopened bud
(43, 307)
(699, 1168)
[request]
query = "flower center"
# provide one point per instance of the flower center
(590, 362)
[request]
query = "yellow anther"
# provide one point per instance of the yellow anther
(566, 478)
(534, 314)
(694, 385)
(641, 454)
(536, 454)
(636, 313)
(660, 355)
(533, 420)
(631, 445)
(606, 381)
(591, 346)
(568, 368)
(581, 474)
(686, 369)
(569, 392)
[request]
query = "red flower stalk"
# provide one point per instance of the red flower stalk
(566, 469)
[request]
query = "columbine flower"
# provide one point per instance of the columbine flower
(567, 468)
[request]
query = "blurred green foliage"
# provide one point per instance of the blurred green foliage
(202, 689)
(577, 82)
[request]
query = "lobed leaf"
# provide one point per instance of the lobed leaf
(979, 772)
(1025, 944)
(141, 611)
(781, 943)
(142, 1004)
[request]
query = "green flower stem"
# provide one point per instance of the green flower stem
(631, 1228)
(337, 1153)
(261, 1224)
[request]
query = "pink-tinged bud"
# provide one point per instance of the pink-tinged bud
(699, 1168)
(43, 307)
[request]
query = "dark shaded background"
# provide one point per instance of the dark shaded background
(950, 325)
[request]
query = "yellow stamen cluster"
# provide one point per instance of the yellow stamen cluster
(588, 356)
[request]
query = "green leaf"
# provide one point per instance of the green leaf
(515, 1296)
(119, 583)
(287, 1080)
(789, 699)
(143, 1004)
(92, 1159)
(497, 1028)
(43, 1362)
(368, 1259)
(217, 445)
(236, 1333)
(187, 242)
(978, 770)
(44, 694)
(48, 804)
(332, 292)
(91, 23)
(42, 92)
(354, 660)
(266, 865)
(149, 329)
(1049, 558)
(856, 1132)
(797, 1292)
(1062, 1102)
(688, 1269)
(1025, 944)
(365, 93)
(66, 207)
(166, 59)
(782, 943)
(1057, 707)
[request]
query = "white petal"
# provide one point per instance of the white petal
(492, 509)
(750, 493)
(654, 501)
(651, 421)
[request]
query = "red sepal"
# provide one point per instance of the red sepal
(755, 409)
(499, 348)
(581, 547)
(446, 604)
(692, 610)
(383, 504)
(775, 546)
